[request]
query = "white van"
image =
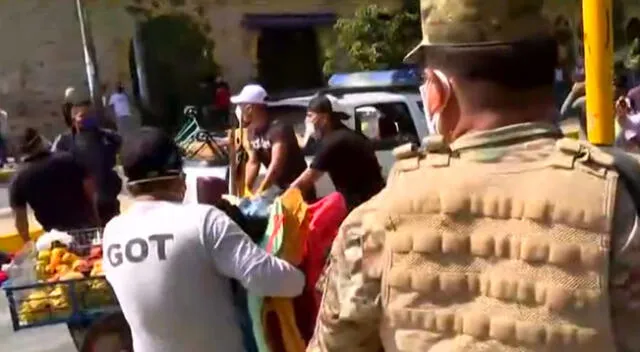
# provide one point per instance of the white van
(390, 115)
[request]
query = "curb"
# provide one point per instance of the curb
(6, 175)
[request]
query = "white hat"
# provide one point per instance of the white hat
(250, 94)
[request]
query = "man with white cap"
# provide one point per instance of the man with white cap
(273, 143)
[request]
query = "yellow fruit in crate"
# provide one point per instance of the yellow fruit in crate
(99, 285)
(41, 271)
(69, 258)
(26, 316)
(56, 256)
(36, 301)
(71, 275)
(80, 265)
(96, 272)
(44, 256)
(61, 269)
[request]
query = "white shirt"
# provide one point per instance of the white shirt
(120, 103)
(169, 265)
(4, 122)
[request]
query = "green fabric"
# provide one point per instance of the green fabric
(255, 303)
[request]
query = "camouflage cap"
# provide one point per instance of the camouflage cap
(478, 22)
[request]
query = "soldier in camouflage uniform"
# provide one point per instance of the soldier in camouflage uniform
(499, 234)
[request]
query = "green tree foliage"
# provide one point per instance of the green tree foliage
(373, 39)
(177, 59)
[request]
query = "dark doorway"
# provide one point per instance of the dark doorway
(289, 59)
(633, 30)
(177, 57)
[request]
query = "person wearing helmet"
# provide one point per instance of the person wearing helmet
(497, 234)
(95, 147)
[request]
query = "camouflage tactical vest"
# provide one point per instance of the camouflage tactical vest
(508, 256)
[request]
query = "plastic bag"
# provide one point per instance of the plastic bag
(259, 206)
(44, 242)
(21, 271)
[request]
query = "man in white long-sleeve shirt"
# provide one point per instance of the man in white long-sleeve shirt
(169, 263)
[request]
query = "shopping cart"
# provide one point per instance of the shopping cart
(87, 305)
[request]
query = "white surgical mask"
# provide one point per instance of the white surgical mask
(238, 113)
(309, 131)
(433, 117)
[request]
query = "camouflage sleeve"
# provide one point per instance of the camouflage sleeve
(625, 257)
(350, 313)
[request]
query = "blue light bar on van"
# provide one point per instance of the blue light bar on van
(392, 78)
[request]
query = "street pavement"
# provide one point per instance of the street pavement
(4, 195)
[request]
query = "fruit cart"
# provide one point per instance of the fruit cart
(69, 288)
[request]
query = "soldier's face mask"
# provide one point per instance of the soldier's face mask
(435, 96)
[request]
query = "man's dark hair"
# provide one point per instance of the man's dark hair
(29, 140)
(66, 114)
(515, 67)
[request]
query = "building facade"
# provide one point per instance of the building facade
(43, 54)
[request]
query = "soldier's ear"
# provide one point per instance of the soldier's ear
(437, 92)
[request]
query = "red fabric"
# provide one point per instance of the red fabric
(327, 215)
(222, 99)
(3, 277)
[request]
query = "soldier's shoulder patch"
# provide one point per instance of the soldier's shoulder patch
(585, 152)
(406, 151)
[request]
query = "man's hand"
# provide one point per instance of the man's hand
(21, 221)
(307, 179)
(622, 108)
(275, 169)
(579, 88)
(26, 250)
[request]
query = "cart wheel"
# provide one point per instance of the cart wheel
(109, 334)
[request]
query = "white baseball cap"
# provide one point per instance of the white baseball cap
(250, 94)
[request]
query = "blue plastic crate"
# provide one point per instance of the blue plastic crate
(72, 302)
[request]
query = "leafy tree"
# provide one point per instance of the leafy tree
(373, 39)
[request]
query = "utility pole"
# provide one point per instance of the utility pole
(598, 59)
(89, 49)
(139, 55)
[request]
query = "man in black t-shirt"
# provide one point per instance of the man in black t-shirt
(273, 144)
(56, 186)
(346, 155)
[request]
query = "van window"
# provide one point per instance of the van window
(393, 125)
(293, 115)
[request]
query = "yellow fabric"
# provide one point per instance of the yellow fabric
(292, 250)
(283, 309)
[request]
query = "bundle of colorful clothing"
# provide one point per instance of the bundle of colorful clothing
(302, 235)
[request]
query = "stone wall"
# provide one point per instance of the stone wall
(42, 48)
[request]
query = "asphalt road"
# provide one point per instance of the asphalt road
(4, 196)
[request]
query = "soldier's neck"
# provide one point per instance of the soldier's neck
(489, 120)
